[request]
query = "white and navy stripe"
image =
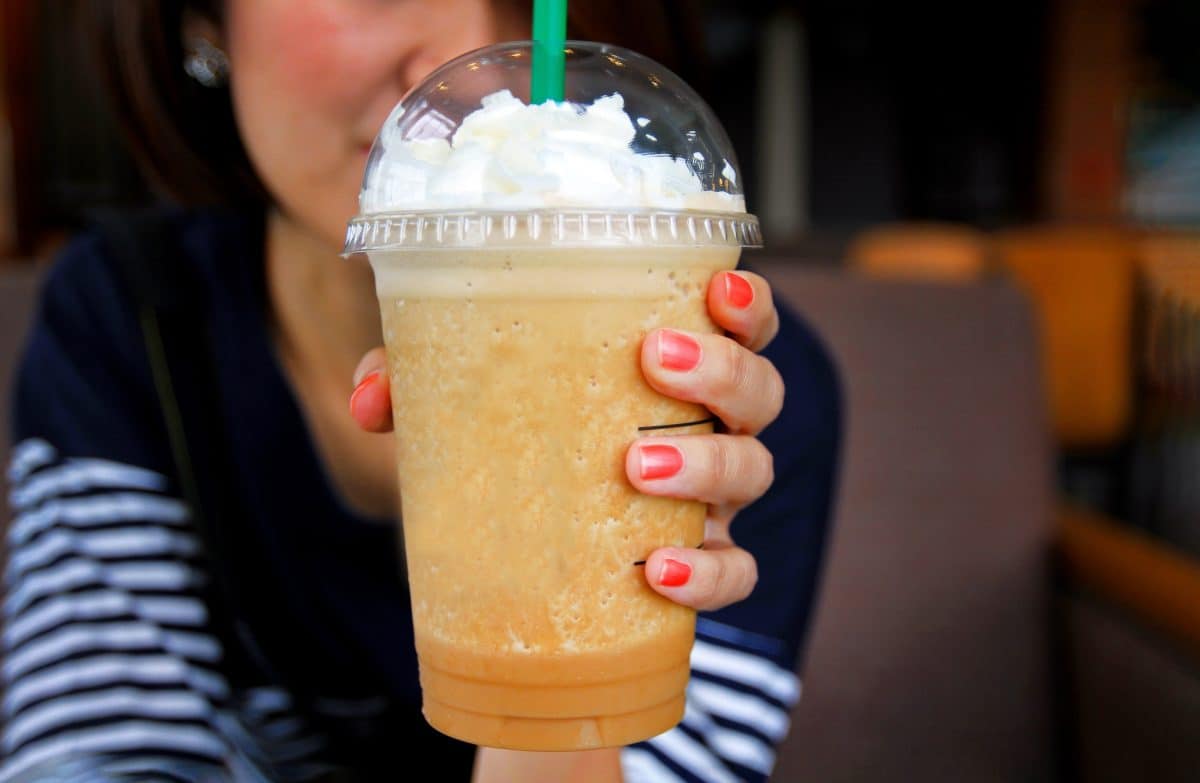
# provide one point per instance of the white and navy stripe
(111, 669)
(739, 702)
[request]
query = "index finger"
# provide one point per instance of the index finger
(741, 303)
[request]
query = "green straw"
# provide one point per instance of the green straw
(549, 37)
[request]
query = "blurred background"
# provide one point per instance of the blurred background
(991, 212)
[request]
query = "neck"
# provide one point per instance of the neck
(323, 307)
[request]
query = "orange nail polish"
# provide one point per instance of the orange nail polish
(659, 461)
(675, 573)
(677, 351)
(367, 380)
(738, 291)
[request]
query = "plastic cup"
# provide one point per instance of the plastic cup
(513, 331)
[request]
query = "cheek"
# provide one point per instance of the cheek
(292, 80)
(299, 149)
(316, 56)
(313, 79)
(292, 69)
(307, 46)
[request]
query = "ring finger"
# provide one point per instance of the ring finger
(721, 470)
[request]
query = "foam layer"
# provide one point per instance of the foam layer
(510, 155)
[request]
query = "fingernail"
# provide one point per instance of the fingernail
(674, 573)
(677, 351)
(369, 379)
(738, 290)
(659, 461)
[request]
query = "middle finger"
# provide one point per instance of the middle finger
(742, 388)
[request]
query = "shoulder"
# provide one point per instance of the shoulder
(84, 358)
(81, 287)
(89, 275)
(87, 291)
(83, 326)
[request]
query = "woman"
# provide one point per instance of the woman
(126, 660)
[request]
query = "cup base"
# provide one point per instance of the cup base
(554, 734)
(614, 697)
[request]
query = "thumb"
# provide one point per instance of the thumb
(371, 400)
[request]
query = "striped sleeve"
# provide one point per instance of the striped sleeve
(112, 670)
(108, 655)
(107, 650)
(738, 704)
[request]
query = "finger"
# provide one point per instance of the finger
(371, 400)
(739, 386)
(741, 303)
(721, 470)
(704, 579)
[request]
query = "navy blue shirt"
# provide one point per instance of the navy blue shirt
(114, 666)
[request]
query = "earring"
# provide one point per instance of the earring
(206, 63)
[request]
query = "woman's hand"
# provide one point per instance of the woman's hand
(727, 470)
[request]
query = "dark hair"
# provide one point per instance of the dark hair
(184, 135)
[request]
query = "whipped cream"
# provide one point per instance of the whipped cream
(510, 155)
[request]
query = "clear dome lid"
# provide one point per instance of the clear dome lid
(465, 158)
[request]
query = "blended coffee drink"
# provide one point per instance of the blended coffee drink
(520, 261)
